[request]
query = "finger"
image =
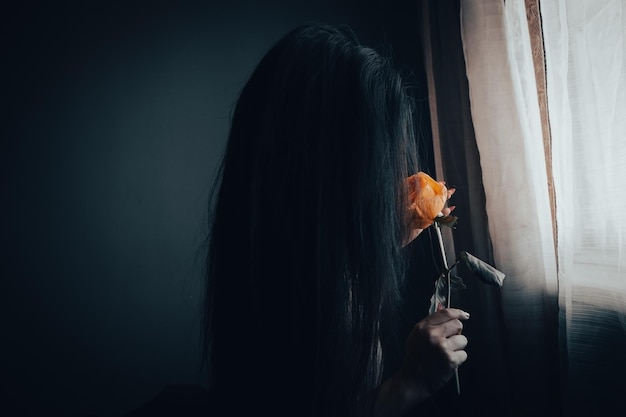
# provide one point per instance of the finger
(450, 192)
(447, 210)
(446, 314)
(446, 329)
(457, 358)
(458, 342)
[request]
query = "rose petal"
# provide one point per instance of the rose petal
(427, 198)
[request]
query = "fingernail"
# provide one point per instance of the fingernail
(466, 314)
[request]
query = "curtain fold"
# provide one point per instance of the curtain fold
(528, 104)
(584, 159)
(507, 124)
(484, 378)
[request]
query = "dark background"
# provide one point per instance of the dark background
(115, 117)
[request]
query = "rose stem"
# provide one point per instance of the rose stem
(445, 265)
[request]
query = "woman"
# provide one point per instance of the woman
(305, 263)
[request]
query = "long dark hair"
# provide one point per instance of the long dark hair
(305, 251)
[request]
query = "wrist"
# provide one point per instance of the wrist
(400, 393)
(413, 388)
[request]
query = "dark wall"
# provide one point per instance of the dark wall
(115, 116)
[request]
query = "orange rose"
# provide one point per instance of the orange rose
(427, 199)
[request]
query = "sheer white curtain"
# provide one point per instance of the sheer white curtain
(586, 74)
(585, 44)
(507, 125)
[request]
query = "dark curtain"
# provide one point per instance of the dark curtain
(485, 378)
(494, 380)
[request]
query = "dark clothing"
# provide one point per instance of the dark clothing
(178, 401)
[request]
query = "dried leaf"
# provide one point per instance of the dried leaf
(456, 283)
(448, 221)
(485, 272)
(440, 295)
